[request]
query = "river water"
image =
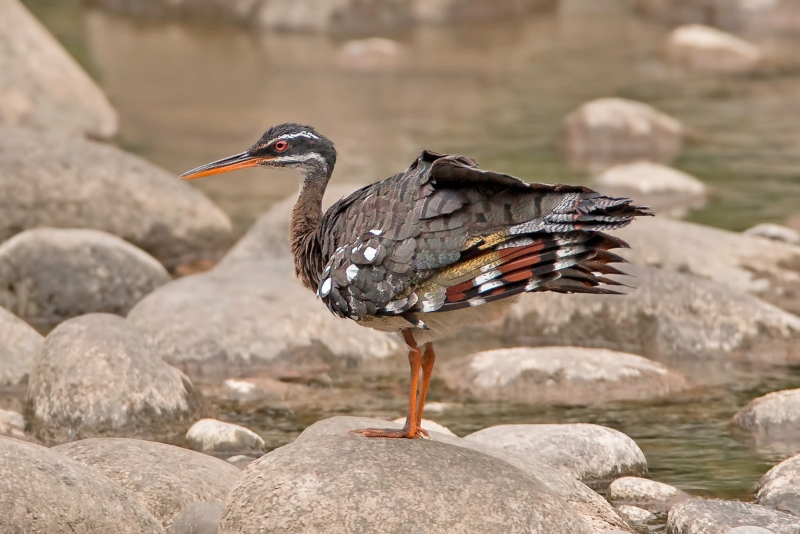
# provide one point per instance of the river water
(190, 92)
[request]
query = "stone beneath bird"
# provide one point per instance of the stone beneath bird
(437, 247)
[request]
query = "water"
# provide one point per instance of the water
(190, 92)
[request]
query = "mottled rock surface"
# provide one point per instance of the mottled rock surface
(218, 437)
(708, 49)
(12, 424)
(780, 487)
(55, 180)
(43, 491)
(644, 493)
(19, 345)
(200, 517)
(775, 415)
(697, 516)
(97, 376)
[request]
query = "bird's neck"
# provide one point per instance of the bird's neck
(306, 216)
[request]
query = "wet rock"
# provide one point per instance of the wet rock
(664, 190)
(359, 17)
(593, 454)
(41, 86)
(97, 376)
(707, 49)
(608, 131)
(197, 518)
(42, 490)
(19, 345)
(647, 494)
(217, 437)
(240, 460)
(55, 180)
(670, 316)
(48, 275)
(12, 424)
(635, 515)
(697, 516)
(780, 487)
(370, 54)
(563, 375)
(427, 424)
(449, 11)
(775, 416)
(776, 232)
(163, 477)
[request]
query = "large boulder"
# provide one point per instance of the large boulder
(563, 375)
(55, 180)
(42, 491)
(775, 417)
(780, 487)
(752, 16)
(697, 516)
(449, 11)
(163, 477)
(41, 86)
(708, 49)
(19, 345)
(97, 376)
(608, 131)
(48, 275)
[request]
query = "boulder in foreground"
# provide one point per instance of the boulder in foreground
(20, 344)
(698, 516)
(780, 487)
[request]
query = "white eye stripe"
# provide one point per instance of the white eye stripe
(305, 134)
(300, 158)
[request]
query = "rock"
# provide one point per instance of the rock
(217, 437)
(41, 86)
(635, 515)
(19, 345)
(163, 477)
(563, 375)
(647, 494)
(608, 131)
(698, 516)
(44, 491)
(776, 232)
(780, 487)
(358, 484)
(12, 424)
(55, 180)
(349, 17)
(707, 49)
(200, 517)
(450, 11)
(750, 16)
(669, 317)
(427, 424)
(749, 530)
(588, 505)
(666, 191)
(97, 376)
(48, 275)
(370, 54)
(239, 11)
(240, 460)
(242, 390)
(773, 417)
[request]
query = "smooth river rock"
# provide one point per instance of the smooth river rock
(708, 49)
(97, 376)
(563, 375)
(698, 516)
(780, 487)
(776, 232)
(48, 275)
(644, 493)
(201, 517)
(593, 454)
(55, 180)
(220, 438)
(19, 345)
(43, 491)
(165, 478)
(42, 86)
(773, 417)
(766, 17)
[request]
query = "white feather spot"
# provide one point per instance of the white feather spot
(476, 302)
(351, 273)
(370, 253)
(429, 306)
(376, 231)
(354, 250)
(325, 288)
(488, 286)
(491, 275)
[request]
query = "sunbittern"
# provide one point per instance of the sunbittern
(437, 247)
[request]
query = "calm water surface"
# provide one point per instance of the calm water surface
(189, 92)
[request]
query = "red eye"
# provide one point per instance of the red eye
(280, 146)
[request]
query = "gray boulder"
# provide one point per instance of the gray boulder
(698, 516)
(775, 415)
(563, 375)
(55, 180)
(163, 477)
(635, 515)
(219, 438)
(97, 376)
(42, 491)
(48, 275)
(760, 17)
(449, 11)
(593, 454)
(200, 517)
(703, 48)
(19, 345)
(780, 487)
(41, 86)
(776, 232)
(644, 493)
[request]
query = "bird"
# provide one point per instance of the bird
(437, 247)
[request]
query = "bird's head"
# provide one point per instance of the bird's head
(285, 145)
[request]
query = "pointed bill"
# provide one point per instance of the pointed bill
(231, 163)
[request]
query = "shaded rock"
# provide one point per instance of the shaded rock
(49, 179)
(427, 424)
(198, 518)
(670, 316)
(776, 232)
(44, 491)
(648, 494)
(97, 376)
(370, 54)
(608, 131)
(664, 190)
(593, 454)
(240, 460)
(41, 86)
(12, 424)
(351, 17)
(449, 11)
(708, 49)
(635, 515)
(163, 477)
(19, 345)
(780, 487)
(775, 416)
(48, 275)
(697, 516)
(564, 375)
(217, 437)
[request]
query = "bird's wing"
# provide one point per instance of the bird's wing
(446, 235)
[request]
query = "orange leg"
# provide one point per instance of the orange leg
(428, 358)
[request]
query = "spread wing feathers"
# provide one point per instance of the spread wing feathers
(445, 235)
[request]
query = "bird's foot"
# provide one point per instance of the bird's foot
(391, 433)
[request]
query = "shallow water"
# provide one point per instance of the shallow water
(190, 92)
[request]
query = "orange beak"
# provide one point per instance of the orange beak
(231, 163)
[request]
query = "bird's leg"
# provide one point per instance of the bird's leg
(411, 429)
(428, 358)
